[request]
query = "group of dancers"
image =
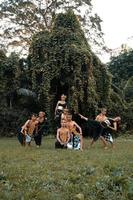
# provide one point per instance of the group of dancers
(33, 128)
(70, 128)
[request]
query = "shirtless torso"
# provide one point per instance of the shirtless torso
(29, 127)
(76, 132)
(101, 117)
(63, 135)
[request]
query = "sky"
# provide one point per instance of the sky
(117, 25)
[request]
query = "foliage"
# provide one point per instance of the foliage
(60, 61)
(128, 116)
(128, 90)
(9, 72)
(121, 68)
(15, 107)
(47, 173)
(66, 64)
(28, 17)
(3, 60)
(11, 119)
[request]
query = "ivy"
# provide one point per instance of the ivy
(68, 66)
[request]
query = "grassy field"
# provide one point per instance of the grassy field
(28, 173)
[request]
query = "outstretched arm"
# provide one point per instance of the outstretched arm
(83, 117)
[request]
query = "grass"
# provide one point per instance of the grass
(27, 173)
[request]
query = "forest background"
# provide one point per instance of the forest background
(57, 40)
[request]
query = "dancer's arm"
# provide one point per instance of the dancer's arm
(57, 136)
(97, 118)
(62, 116)
(113, 128)
(78, 127)
(56, 107)
(25, 125)
(36, 127)
(83, 117)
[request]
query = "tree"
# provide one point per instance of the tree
(23, 18)
(62, 62)
(59, 61)
(10, 75)
(128, 90)
(121, 68)
(3, 60)
(16, 102)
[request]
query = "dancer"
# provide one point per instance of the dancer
(95, 129)
(63, 136)
(76, 133)
(60, 106)
(41, 120)
(28, 129)
(102, 116)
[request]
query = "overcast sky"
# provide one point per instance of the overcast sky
(117, 16)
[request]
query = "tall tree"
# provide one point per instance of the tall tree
(21, 18)
(62, 62)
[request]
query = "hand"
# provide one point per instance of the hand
(61, 143)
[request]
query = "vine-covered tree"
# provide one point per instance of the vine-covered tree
(23, 18)
(63, 62)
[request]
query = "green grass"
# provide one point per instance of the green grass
(48, 174)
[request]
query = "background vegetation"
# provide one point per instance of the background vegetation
(121, 68)
(60, 61)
